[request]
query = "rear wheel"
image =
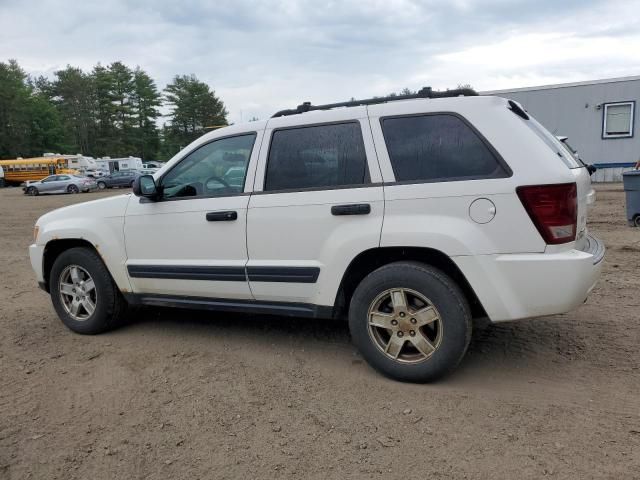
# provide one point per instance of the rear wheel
(636, 220)
(83, 293)
(132, 182)
(410, 321)
(33, 191)
(102, 185)
(72, 189)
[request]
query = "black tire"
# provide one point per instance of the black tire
(131, 184)
(636, 220)
(102, 185)
(443, 294)
(110, 306)
(33, 191)
(72, 189)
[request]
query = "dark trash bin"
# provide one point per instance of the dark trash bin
(631, 182)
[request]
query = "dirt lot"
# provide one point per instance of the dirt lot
(178, 394)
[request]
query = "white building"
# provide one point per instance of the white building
(597, 116)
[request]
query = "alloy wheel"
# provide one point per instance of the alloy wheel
(77, 292)
(405, 325)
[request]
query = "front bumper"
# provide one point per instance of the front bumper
(516, 286)
(36, 253)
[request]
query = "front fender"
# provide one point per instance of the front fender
(101, 223)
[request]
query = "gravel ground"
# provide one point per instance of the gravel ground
(182, 394)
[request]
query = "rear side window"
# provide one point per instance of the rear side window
(316, 157)
(439, 147)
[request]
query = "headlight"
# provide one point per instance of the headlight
(36, 230)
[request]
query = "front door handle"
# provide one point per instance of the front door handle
(351, 209)
(227, 216)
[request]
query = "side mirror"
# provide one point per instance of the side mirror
(145, 186)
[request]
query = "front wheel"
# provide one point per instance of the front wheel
(33, 191)
(83, 293)
(102, 185)
(410, 321)
(636, 220)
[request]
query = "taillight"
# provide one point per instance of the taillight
(553, 210)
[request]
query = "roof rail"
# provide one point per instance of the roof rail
(426, 92)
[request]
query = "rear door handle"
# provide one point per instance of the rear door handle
(351, 209)
(227, 216)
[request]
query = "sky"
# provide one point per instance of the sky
(264, 56)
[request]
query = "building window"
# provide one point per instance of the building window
(618, 120)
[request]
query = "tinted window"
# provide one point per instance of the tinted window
(315, 157)
(204, 172)
(437, 148)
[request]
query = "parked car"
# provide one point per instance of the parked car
(411, 216)
(117, 179)
(60, 184)
(156, 165)
(147, 170)
(94, 173)
(234, 176)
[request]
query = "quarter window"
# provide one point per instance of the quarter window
(618, 120)
(316, 157)
(438, 147)
(215, 169)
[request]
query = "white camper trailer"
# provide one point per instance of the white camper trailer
(77, 162)
(111, 165)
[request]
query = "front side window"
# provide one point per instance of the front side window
(317, 156)
(205, 172)
(439, 147)
(618, 120)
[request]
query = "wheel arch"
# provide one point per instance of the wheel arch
(55, 247)
(372, 259)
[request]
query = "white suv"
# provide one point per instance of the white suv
(412, 215)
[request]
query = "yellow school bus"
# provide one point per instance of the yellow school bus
(24, 169)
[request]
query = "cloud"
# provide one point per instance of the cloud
(261, 57)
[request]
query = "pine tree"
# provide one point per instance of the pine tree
(194, 108)
(73, 95)
(145, 102)
(29, 124)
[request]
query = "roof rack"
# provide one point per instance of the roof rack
(426, 92)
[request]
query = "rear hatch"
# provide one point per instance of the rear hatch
(585, 193)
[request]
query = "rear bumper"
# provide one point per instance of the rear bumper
(516, 286)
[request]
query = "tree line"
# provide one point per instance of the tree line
(112, 110)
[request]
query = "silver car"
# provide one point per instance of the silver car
(60, 184)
